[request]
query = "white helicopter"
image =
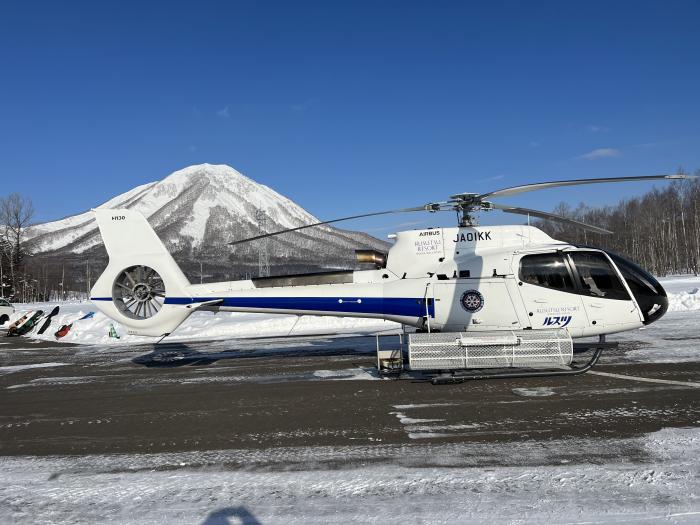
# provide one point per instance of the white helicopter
(479, 296)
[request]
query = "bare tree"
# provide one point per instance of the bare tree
(660, 229)
(4, 256)
(16, 213)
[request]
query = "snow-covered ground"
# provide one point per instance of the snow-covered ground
(651, 479)
(675, 338)
(657, 483)
(683, 292)
(199, 326)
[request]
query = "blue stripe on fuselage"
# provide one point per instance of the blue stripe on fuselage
(405, 306)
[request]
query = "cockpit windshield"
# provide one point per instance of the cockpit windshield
(638, 279)
(649, 294)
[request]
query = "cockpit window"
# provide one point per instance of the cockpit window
(548, 270)
(638, 279)
(597, 277)
(649, 294)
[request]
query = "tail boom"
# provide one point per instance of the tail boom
(145, 290)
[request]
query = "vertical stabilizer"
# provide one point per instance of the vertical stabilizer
(141, 276)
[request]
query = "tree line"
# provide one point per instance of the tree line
(25, 277)
(659, 230)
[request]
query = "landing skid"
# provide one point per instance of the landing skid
(461, 376)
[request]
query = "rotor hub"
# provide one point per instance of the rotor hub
(142, 292)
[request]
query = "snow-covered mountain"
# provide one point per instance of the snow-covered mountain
(196, 211)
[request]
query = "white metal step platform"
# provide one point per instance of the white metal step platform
(494, 349)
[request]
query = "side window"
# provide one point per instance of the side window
(3, 302)
(548, 270)
(597, 277)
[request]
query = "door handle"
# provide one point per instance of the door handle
(540, 301)
(596, 305)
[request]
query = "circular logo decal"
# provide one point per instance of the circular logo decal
(472, 301)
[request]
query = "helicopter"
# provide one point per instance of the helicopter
(478, 296)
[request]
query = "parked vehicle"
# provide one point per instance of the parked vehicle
(6, 311)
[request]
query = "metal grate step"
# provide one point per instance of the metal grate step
(496, 349)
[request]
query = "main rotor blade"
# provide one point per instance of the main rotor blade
(427, 207)
(556, 184)
(551, 217)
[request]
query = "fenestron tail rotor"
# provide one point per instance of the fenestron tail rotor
(139, 292)
(468, 204)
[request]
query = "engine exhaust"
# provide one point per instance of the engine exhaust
(371, 257)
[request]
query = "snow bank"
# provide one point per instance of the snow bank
(200, 325)
(683, 295)
(683, 292)
(683, 301)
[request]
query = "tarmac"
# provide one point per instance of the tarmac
(60, 399)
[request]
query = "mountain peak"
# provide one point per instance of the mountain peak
(216, 171)
(207, 169)
(203, 207)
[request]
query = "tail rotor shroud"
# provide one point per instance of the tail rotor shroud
(139, 292)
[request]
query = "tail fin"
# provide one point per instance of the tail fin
(140, 281)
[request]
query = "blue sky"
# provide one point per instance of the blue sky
(347, 107)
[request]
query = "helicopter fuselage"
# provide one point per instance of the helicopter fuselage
(443, 279)
(457, 279)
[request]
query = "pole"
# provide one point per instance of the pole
(427, 309)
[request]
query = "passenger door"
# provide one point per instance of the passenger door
(549, 294)
(482, 304)
(607, 302)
